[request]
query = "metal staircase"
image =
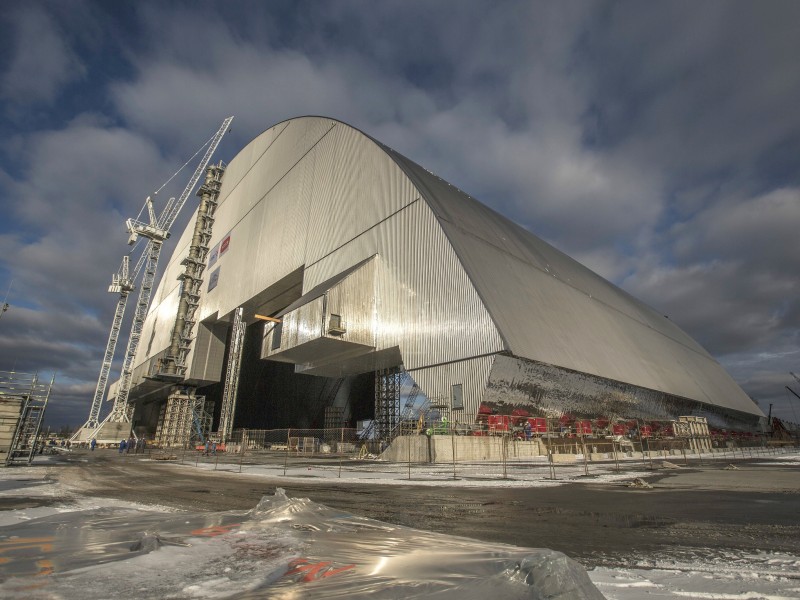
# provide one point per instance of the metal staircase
(32, 395)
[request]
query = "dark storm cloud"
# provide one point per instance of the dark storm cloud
(656, 143)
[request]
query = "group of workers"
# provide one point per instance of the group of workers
(132, 443)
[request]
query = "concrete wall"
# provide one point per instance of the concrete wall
(439, 448)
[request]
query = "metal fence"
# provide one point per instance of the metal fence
(497, 450)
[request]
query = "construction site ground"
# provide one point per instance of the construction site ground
(744, 505)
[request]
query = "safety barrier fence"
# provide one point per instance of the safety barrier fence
(453, 451)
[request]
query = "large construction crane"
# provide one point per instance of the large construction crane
(156, 231)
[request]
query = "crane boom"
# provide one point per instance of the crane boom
(156, 231)
(173, 208)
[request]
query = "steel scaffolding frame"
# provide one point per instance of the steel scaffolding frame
(387, 401)
(185, 419)
(34, 395)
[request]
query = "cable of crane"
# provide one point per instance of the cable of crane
(175, 174)
(199, 150)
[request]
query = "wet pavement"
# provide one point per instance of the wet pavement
(752, 508)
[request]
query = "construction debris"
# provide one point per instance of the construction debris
(731, 467)
(164, 457)
(639, 483)
(668, 465)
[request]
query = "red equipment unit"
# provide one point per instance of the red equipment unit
(538, 424)
(499, 423)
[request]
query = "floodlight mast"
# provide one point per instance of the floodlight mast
(156, 232)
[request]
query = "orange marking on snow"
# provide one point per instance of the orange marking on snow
(314, 571)
(215, 530)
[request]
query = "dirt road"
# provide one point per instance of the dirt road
(689, 511)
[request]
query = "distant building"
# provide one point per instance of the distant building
(374, 266)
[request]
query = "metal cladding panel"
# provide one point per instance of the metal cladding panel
(473, 374)
(461, 212)
(247, 157)
(302, 325)
(209, 351)
(266, 243)
(546, 390)
(157, 327)
(268, 158)
(453, 280)
(262, 207)
(267, 236)
(544, 319)
(551, 309)
(353, 300)
(425, 303)
(356, 185)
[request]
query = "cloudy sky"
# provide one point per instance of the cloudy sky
(657, 143)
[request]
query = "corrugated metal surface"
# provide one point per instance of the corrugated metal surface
(353, 301)
(437, 381)
(426, 304)
(318, 193)
(546, 390)
(356, 186)
(551, 309)
(452, 279)
(302, 325)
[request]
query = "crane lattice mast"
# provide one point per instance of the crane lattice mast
(156, 232)
(122, 284)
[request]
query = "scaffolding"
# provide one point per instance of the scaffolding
(185, 419)
(27, 394)
(695, 430)
(387, 401)
(174, 365)
(334, 417)
(232, 376)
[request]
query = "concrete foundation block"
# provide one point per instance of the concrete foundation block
(564, 458)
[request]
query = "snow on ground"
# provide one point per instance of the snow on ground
(33, 482)
(730, 575)
(484, 475)
(157, 563)
(530, 473)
